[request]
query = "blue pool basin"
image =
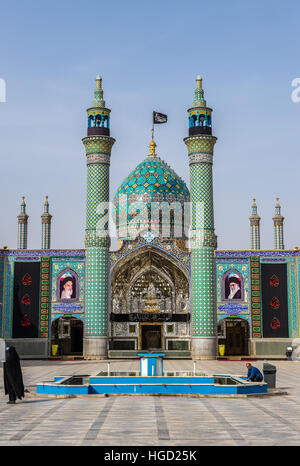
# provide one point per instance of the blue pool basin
(96, 385)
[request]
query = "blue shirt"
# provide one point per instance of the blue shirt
(254, 372)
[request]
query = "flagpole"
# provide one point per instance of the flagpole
(152, 126)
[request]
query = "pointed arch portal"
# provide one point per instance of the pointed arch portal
(149, 302)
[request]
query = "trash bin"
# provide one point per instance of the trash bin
(289, 352)
(54, 350)
(269, 375)
(221, 350)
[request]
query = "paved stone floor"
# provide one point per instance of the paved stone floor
(151, 420)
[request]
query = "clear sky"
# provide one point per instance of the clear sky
(149, 53)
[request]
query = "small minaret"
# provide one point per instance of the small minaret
(22, 226)
(255, 227)
(46, 226)
(278, 226)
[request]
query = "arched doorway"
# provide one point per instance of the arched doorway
(149, 303)
(233, 332)
(67, 333)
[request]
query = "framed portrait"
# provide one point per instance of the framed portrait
(67, 289)
(233, 286)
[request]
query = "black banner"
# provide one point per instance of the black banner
(159, 118)
(26, 300)
(149, 317)
(274, 301)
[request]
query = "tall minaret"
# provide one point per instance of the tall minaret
(278, 226)
(22, 226)
(46, 226)
(200, 144)
(98, 144)
(254, 227)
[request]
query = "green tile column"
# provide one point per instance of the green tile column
(278, 226)
(200, 144)
(22, 226)
(254, 227)
(46, 226)
(98, 145)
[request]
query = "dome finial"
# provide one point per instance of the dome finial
(152, 146)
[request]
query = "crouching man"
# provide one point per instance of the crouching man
(254, 374)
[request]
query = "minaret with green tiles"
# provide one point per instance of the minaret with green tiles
(254, 227)
(200, 144)
(46, 226)
(98, 145)
(278, 226)
(22, 226)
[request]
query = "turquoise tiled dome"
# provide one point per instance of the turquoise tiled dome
(153, 175)
(151, 181)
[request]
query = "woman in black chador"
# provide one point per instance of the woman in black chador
(13, 380)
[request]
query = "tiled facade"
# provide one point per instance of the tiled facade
(207, 309)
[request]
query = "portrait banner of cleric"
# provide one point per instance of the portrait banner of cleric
(67, 287)
(234, 287)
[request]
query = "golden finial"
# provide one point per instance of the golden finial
(152, 146)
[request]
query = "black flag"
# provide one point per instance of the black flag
(159, 118)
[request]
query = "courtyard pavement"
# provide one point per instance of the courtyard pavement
(151, 420)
